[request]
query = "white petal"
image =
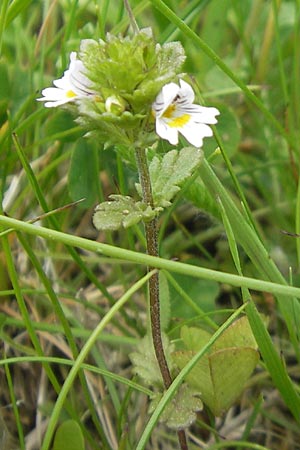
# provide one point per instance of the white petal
(159, 105)
(194, 133)
(63, 83)
(53, 93)
(53, 104)
(55, 97)
(73, 57)
(169, 92)
(80, 83)
(202, 114)
(73, 64)
(205, 115)
(166, 132)
(165, 98)
(186, 91)
(73, 84)
(77, 77)
(74, 79)
(175, 112)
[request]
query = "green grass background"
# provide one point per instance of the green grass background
(72, 297)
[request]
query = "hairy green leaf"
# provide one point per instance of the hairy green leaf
(168, 174)
(181, 411)
(145, 363)
(121, 212)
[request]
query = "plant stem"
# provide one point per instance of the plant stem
(151, 231)
(152, 249)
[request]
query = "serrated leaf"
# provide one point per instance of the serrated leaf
(168, 173)
(181, 412)
(144, 361)
(121, 212)
(69, 435)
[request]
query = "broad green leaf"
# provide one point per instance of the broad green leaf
(121, 212)
(181, 411)
(239, 334)
(83, 173)
(168, 173)
(230, 369)
(69, 436)
(220, 375)
(194, 338)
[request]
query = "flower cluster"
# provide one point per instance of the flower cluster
(117, 83)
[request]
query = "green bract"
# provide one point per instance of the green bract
(130, 71)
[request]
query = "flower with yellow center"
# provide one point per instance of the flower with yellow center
(175, 113)
(74, 84)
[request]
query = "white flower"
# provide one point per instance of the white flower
(175, 113)
(74, 84)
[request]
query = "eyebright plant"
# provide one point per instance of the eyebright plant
(127, 92)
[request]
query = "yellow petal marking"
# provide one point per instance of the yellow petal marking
(169, 111)
(179, 122)
(175, 122)
(71, 94)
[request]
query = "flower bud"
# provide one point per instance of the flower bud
(115, 105)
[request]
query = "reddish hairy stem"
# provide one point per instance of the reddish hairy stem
(151, 231)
